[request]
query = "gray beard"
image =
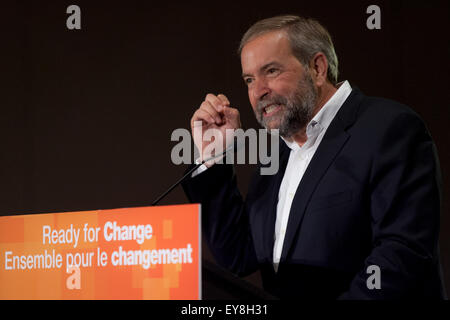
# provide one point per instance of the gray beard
(298, 108)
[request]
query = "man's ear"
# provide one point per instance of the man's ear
(318, 66)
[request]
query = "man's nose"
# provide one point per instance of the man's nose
(260, 89)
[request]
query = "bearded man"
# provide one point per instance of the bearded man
(353, 212)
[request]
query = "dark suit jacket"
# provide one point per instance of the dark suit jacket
(370, 196)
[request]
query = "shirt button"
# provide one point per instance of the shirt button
(291, 194)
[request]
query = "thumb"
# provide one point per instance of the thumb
(232, 116)
(230, 112)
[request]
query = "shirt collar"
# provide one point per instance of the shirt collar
(326, 114)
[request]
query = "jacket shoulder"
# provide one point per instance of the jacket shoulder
(376, 113)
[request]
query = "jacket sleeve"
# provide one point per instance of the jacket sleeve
(405, 204)
(225, 220)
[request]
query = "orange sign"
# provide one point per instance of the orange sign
(131, 253)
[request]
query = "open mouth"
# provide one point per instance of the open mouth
(271, 109)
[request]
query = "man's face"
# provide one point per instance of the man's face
(280, 88)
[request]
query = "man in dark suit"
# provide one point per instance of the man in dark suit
(353, 212)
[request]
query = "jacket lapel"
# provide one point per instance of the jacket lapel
(265, 206)
(271, 208)
(333, 141)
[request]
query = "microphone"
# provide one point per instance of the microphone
(233, 146)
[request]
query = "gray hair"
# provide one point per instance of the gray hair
(306, 36)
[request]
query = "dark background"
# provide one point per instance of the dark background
(87, 115)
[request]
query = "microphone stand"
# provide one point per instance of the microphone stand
(188, 175)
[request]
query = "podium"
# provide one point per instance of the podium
(127, 253)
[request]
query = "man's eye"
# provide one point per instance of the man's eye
(272, 70)
(248, 80)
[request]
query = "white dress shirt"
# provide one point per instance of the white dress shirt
(298, 162)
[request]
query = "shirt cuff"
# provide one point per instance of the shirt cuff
(200, 169)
